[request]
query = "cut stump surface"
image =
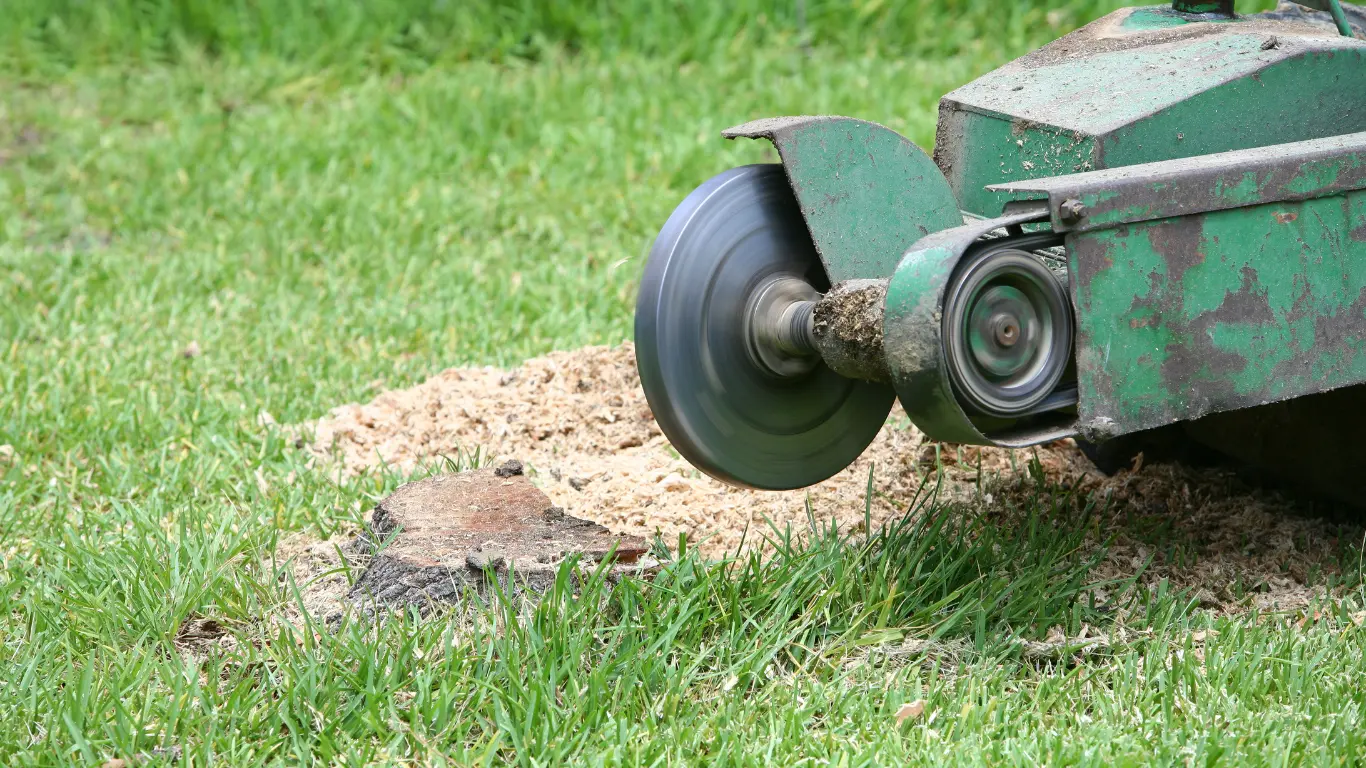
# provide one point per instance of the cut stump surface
(441, 535)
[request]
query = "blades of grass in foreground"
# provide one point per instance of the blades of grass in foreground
(553, 672)
(594, 665)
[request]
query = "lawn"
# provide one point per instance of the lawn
(201, 224)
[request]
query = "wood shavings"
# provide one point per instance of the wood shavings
(581, 424)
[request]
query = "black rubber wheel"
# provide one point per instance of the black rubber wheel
(725, 414)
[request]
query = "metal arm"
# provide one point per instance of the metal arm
(1334, 7)
(1340, 18)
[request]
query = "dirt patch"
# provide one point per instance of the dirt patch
(581, 424)
(318, 574)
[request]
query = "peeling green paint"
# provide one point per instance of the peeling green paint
(1186, 316)
(1132, 89)
(867, 192)
(1243, 193)
(1135, 193)
(1153, 18)
(1320, 174)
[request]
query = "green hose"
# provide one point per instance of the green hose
(1335, 8)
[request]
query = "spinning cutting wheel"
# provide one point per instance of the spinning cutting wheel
(723, 347)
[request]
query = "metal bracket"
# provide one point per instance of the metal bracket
(1301, 170)
(867, 192)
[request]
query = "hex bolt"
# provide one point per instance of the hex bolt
(1071, 211)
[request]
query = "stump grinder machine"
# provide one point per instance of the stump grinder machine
(1149, 234)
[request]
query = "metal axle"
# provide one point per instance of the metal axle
(792, 328)
(779, 337)
(1008, 328)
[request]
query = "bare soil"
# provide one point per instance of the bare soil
(580, 423)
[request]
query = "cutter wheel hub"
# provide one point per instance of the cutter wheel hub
(1008, 328)
(778, 326)
(1004, 330)
(725, 347)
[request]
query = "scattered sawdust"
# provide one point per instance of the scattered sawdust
(1238, 547)
(580, 422)
(910, 711)
(318, 574)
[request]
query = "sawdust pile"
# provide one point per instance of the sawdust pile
(581, 424)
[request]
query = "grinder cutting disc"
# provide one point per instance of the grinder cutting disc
(721, 408)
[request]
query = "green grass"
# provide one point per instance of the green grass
(403, 33)
(321, 223)
(43, 35)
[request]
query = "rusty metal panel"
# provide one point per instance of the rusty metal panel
(1280, 173)
(867, 192)
(1183, 317)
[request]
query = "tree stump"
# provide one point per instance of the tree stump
(434, 539)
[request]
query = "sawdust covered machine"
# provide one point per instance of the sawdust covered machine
(1149, 234)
